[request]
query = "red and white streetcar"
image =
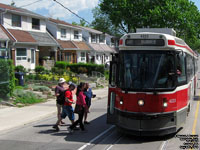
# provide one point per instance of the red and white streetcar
(152, 82)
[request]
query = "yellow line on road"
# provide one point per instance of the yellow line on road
(195, 119)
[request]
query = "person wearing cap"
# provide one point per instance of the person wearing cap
(67, 107)
(58, 90)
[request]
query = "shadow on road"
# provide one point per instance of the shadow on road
(96, 128)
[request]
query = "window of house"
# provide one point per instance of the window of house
(106, 57)
(68, 57)
(35, 23)
(2, 44)
(93, 38)
(76, 35)
(21, 54)
(82, 56)
(1, 18)
(102, 38)
(16, 20)
(63, 33)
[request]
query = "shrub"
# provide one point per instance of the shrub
(39, 69)
(26, 97)
(7, 78)
(61, 64)
(41, 88)
(82, 70)
(20, 68)
(80, 67)
(57, 70)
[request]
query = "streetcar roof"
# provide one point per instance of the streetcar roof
(170, 42)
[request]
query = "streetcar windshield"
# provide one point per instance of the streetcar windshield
(146, 70)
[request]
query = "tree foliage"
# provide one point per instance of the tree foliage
(182, 15)
(103, 23)
(81, 23)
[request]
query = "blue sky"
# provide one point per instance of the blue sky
(49, 8)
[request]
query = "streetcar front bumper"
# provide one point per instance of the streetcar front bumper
(148, 124)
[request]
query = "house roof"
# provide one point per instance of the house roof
(73, 45)
(7, 33)
(92, 30)
(39, 38)
(101, 47)
(66, 44)
(43, 38)
(21, 11)
(3, 35)
(81, 45)
(63, 23)
(22, 36)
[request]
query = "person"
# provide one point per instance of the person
(58, 91)
(67, 108)
(79, 102)
(89, 95)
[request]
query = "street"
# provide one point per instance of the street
(40, 135)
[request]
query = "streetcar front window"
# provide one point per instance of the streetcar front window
(146, 70)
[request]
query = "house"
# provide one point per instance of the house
(29, 40)
(101, 52)
(72, 48)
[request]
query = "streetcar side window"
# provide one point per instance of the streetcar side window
(181, 69)
(113, 71)
(190, 67)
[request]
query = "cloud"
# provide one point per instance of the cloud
(54, 9)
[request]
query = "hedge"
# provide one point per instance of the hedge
(80, 67)
(7, 78)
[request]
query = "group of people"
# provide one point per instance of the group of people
(64, 100)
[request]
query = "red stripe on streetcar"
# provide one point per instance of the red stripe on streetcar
(172, 42)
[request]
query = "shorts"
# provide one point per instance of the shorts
(68, 111)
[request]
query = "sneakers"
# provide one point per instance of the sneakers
(56, 127)
(61, 122)
(70, 130)
(86, 122)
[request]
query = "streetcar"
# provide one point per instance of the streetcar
(152, 82)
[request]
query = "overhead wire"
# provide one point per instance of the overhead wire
(71, 11)
(30, 3)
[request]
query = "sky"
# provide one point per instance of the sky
(50, 8)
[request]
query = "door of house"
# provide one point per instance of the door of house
(32, 58)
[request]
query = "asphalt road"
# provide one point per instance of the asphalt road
(99, 136)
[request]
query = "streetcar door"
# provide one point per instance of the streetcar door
(111, 114)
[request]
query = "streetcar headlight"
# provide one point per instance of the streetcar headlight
(141, 102)
(121, 102)
(165, 104)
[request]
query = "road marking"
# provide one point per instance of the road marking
(164, 145)
(89, 143)
(114, 143)
(195, 119)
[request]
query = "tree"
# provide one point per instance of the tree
(12, 3)
(103, 23)
(82, 23)
(182, 15)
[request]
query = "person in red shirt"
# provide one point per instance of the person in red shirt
(83, 106)
(67, 108)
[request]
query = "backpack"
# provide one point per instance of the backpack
(61, 98)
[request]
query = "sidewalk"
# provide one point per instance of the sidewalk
(11, 117)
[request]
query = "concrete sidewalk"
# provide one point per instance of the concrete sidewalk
(11, 117)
